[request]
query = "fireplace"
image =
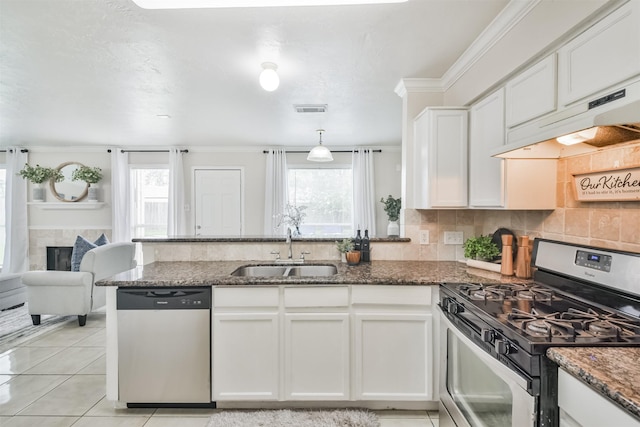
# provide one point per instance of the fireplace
(59, 258)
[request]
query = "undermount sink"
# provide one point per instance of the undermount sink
(285, 270)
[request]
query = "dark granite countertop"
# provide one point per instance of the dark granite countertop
(218, 273)
(612, 371)
(255, 239)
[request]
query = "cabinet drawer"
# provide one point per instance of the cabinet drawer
(316, 297)
(246, 297)
(391, 295)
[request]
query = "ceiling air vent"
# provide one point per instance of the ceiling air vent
(310, 108)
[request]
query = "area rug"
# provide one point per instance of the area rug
(16, 326)
(295, 418)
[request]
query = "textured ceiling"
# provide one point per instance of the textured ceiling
(99, 72)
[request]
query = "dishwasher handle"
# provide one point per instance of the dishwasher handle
(164, 298)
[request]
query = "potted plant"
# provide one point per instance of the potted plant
(392, 208)
(90, 176)
(480, 248)
(346, 245)
(38, 175)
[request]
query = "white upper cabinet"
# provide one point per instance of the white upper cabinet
(440, 136)
(604, 55)
(500, 183)
(487, 132)
(532, 93)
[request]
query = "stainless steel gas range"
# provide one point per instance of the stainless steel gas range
(494, 337)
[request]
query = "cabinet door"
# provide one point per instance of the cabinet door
(245, 356)
(532, 93)
(604, 55)
(316, 362)
(486, 173)
(441, 161)
(581, 406)
(393, 356)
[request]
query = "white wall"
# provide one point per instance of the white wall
(252, 161)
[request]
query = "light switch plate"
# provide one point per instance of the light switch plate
(424, 237)
(453, 237)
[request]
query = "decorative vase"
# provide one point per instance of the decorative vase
(393, 229)
(92, 193)
(343, 256)
(38, 193)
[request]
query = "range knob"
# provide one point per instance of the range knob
(487, 335)
(503, 347)
(453, 307)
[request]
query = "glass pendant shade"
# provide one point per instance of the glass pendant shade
(320, 153)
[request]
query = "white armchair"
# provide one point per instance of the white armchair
(73, 292)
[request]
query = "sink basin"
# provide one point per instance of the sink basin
(285, 270)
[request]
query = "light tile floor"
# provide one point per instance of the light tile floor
(58, 380)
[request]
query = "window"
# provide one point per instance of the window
(3, 182)
(327, 193)
(149, 201)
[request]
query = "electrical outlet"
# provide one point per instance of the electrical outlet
(424, 237)
(453, 237)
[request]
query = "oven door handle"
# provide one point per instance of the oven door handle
(501, 370)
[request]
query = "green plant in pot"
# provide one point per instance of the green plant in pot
(392, 207)
(38, 175)
(344, 246)
(480, 248)
(90, 176)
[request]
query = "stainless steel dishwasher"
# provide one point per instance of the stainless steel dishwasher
(164, 346)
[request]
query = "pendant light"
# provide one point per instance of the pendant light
(320, 153)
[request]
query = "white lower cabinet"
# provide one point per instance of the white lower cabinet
(323, 343)
(245, 352)
(245, 356)
(316, 356)
(581, 406)
(392, 356)
(393, 338)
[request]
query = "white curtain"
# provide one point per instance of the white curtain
(276, 193)
(121, 196)
(177, 220)
(364, 210)
(16, 248)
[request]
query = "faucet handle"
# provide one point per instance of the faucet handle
(276, 253)
(303, 253)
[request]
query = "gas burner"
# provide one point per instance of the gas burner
(542, 325)
(604, 325)
(479, 292)
(535, 293)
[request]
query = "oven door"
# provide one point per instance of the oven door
(476, 390)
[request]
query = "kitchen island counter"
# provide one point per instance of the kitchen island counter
(612, 371)
(218, 273)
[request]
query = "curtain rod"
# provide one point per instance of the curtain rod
(333, 151)
(23, 150)
(146, 151)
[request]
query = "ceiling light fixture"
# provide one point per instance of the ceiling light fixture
(578, 137)
(320, 153)
(269, 79)
(191, 4)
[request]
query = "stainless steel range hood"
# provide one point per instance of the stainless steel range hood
(616, 116)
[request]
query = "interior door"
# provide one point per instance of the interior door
(218, 202)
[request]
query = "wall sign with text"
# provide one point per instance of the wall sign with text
(613, 185)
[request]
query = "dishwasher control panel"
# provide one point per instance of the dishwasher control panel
(163, 298)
